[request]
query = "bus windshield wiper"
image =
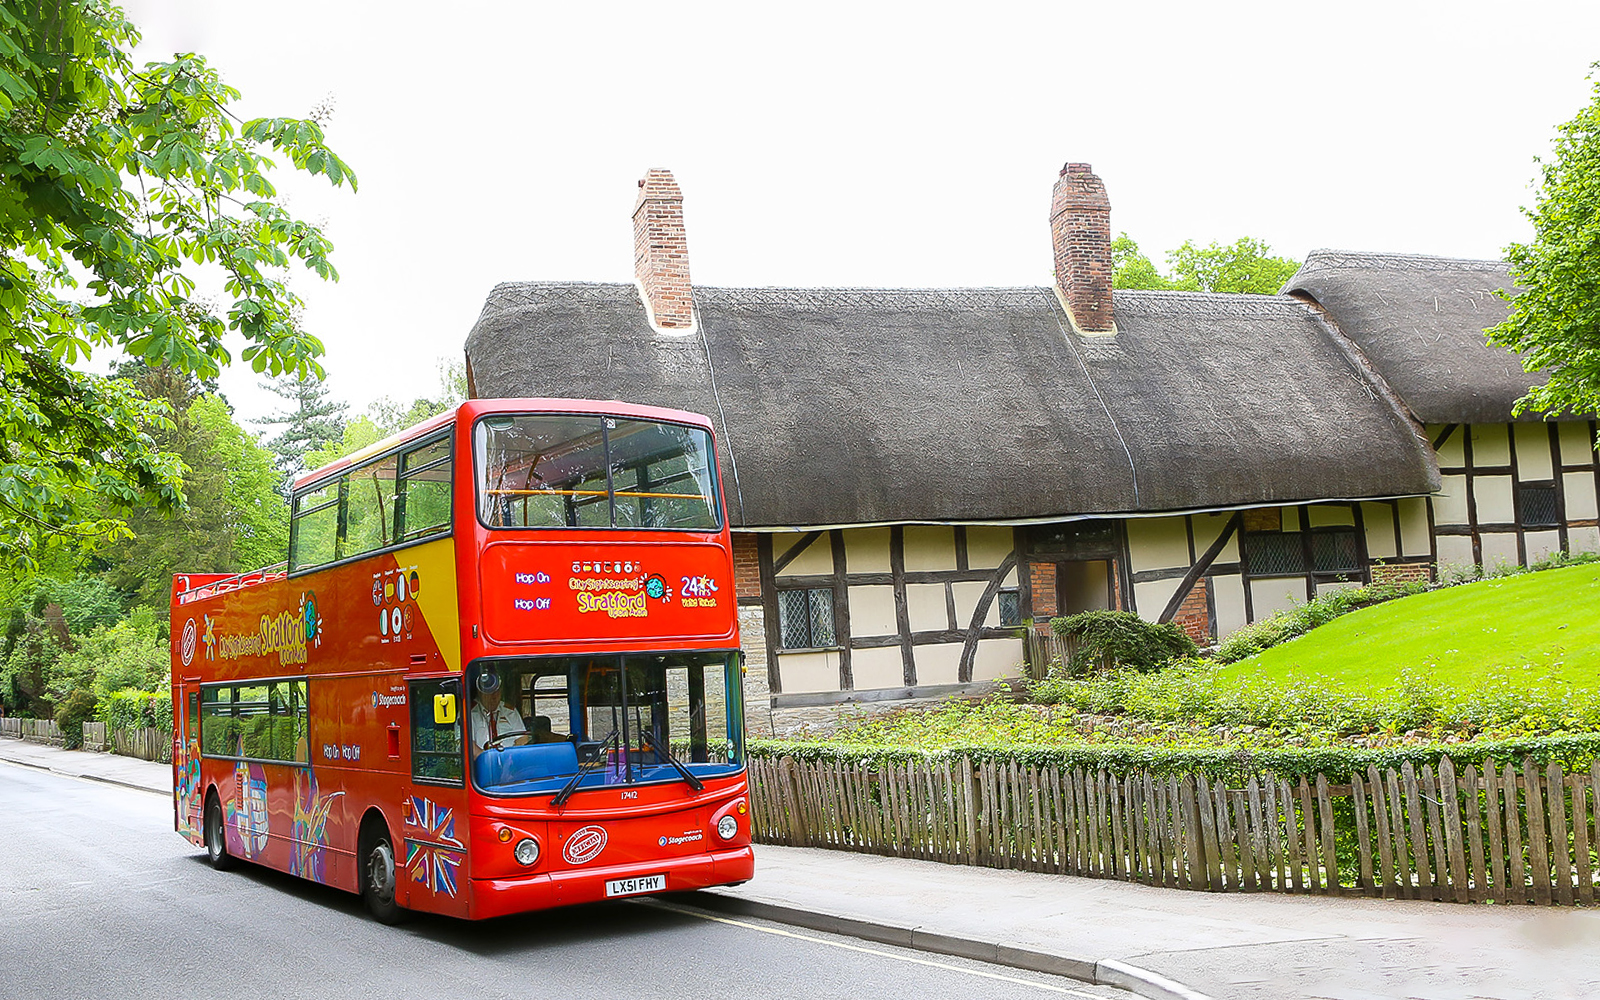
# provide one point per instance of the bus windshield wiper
(662, 750)
(583, 769)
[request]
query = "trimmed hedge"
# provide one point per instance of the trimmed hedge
(1230, 764)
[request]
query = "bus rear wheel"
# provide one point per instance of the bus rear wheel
(216, 837)
(378, 879)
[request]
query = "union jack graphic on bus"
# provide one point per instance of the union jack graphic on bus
(435, 861)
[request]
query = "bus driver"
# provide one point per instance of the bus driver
(492, 721)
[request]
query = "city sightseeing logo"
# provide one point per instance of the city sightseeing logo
(288, 633)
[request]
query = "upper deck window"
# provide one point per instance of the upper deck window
(577, 471)
(399, 497)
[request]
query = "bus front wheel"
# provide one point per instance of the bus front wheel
(378, 879)
(216, 838)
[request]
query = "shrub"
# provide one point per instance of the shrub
(75, 709)
(130, 709)
(1122, 639)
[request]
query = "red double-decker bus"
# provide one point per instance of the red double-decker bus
(499, 670)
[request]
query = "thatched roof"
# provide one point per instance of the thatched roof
(852, 406)
(1420, 320)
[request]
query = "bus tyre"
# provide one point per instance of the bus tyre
(378, 879)
(216, 837)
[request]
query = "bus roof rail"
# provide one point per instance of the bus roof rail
(211, 588)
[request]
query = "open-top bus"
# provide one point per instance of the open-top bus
(499, 670)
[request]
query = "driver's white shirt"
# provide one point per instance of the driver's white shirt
(506, 723)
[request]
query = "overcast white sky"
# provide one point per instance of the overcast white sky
(870, 144)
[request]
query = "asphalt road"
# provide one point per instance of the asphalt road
(100, 899)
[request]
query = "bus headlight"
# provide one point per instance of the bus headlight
(526, 851)
(727, 827)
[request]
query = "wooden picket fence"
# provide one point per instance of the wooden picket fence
(1512, 835)
(34, 730)
(145, 744)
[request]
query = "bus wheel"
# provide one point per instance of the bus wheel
(216, 839)
(378, 879)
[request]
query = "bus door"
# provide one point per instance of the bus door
(186, 760)
(431, 859)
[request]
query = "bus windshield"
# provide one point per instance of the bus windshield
(540, 723)
(582, 471)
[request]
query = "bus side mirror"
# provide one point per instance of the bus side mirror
(444, 709)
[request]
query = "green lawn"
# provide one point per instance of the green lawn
(1544, 626)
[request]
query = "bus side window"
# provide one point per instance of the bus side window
(436, 754)
(422, 501)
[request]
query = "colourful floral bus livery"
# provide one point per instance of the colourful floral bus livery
(496, 674)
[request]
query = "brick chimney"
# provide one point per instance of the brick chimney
(1080, 227)
(661, 252)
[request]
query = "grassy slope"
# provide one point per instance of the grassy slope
(1546, 625)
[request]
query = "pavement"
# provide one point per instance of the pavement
(1165, 944)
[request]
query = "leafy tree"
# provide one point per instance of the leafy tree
(1555, 315)
(236, 518)
(117, 186)
(388, 416)
(1133, 270)
(1246, 265)
(1243, 266)
(43, 619)
(311, 423)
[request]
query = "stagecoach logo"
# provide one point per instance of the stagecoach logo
(387, 700)
(682, 838)
(585, 845)
(190, 637)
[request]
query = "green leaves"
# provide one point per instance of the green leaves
(115, 184)
(1555, 312)
(1244, 266)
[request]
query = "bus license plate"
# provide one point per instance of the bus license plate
(636, 886)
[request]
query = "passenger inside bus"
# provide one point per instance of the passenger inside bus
(492, 722)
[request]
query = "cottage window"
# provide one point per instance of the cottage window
(1273, 554)
(805, 618)
(1010, 607)
(1335, 551)
(1536, 504)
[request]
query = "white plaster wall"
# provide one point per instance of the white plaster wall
(1151, 597)
(1455, 551)
(1268, 596)
(1495, 504)
(866, 550)
(1328, 588)
(926, 605)
(872, 610)
(987, 547)
(1498, 549)
(1415, 537)
(1157, 543)
(1330, 516)
(1378, 518)
(967, 595)
(1206, 529)
(1490, 445)
(997, 658)
(877, 668)
(1541, 544)
(1583, 539)
(816, 560)
(1577, 448)
(804, 673)
(1533, 451)
(930, 548)
(1578, 488)
(1450, 503)
(1227, 594)
(939, 664)
(1450, 453)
